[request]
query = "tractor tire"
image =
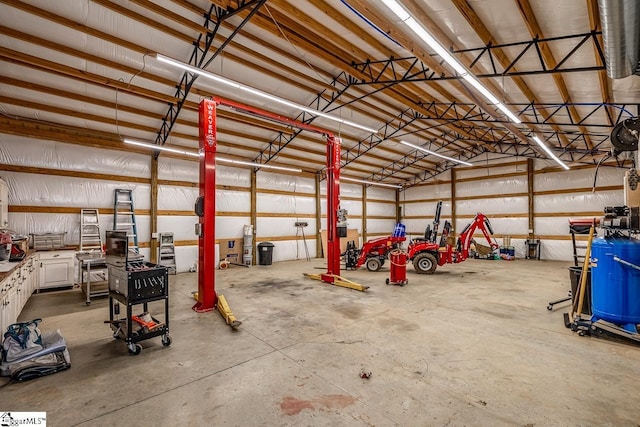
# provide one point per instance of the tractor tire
(373, 264)
(425, 263)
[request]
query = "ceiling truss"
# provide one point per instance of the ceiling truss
(395, 70)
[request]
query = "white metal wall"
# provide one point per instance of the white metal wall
(45, 200)
(501, 193)
(278, 213)
(582, 203)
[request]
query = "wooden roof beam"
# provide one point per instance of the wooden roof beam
(185, 37)
(535, 31)
(380, 20)
(304, 62)
(485, 35)
(435, 30)
(79, 27)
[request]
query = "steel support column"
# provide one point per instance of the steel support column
(333, 205)
(207, 298)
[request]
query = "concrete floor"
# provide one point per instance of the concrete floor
(471, 345)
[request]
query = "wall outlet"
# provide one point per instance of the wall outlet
(154, 235)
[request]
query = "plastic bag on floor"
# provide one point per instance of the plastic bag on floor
(21, 340)
(53, 357)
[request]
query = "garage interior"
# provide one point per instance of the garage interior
(329, 212)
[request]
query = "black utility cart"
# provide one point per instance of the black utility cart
(134, 282)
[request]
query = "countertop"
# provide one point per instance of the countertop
(7, 269)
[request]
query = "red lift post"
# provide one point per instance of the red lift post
(333, 204)
(206, 207)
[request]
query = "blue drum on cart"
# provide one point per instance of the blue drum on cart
(615, 281)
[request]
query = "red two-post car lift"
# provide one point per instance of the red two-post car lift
(205, 208)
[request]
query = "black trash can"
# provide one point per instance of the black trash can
(265, 253)
(575, 273)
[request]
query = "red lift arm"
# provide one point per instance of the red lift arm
(206, 205)
(480, 221)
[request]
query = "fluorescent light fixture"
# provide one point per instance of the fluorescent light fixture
(397, 9)
(436, 154)
(259, 93)
(364, 181)
(196, 154)
(446, 55)
(257, 165)
(549, 153)
(160, 147)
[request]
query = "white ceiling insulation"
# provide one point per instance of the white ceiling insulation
(89, 66)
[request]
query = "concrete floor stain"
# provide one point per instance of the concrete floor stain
(350, 312)
(293, 406)
(268, 286)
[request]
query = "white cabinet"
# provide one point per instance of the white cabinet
(33, 271)
(22, 288)
(4, 204)
(15, 291)
(7, 302)
(56, 269)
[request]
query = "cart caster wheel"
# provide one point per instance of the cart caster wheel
(581, 333)
(387, 281)
(88, 303)
(166, 340)
(549, 307)
(135, 350)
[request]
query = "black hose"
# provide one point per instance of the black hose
(595, 176)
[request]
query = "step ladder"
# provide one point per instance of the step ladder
(90, 238)
(124, 217)
(167, 252)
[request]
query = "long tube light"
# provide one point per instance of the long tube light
(196, 154)
(423, 34)
(259, 93)
(549, 152)
(160, 147)
(257, 165)
(436, 154)
(363, 181)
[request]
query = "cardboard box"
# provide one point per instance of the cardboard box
(352, 234)
(231, 250)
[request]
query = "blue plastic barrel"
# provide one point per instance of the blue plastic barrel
(399, 230)
(615, 286)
